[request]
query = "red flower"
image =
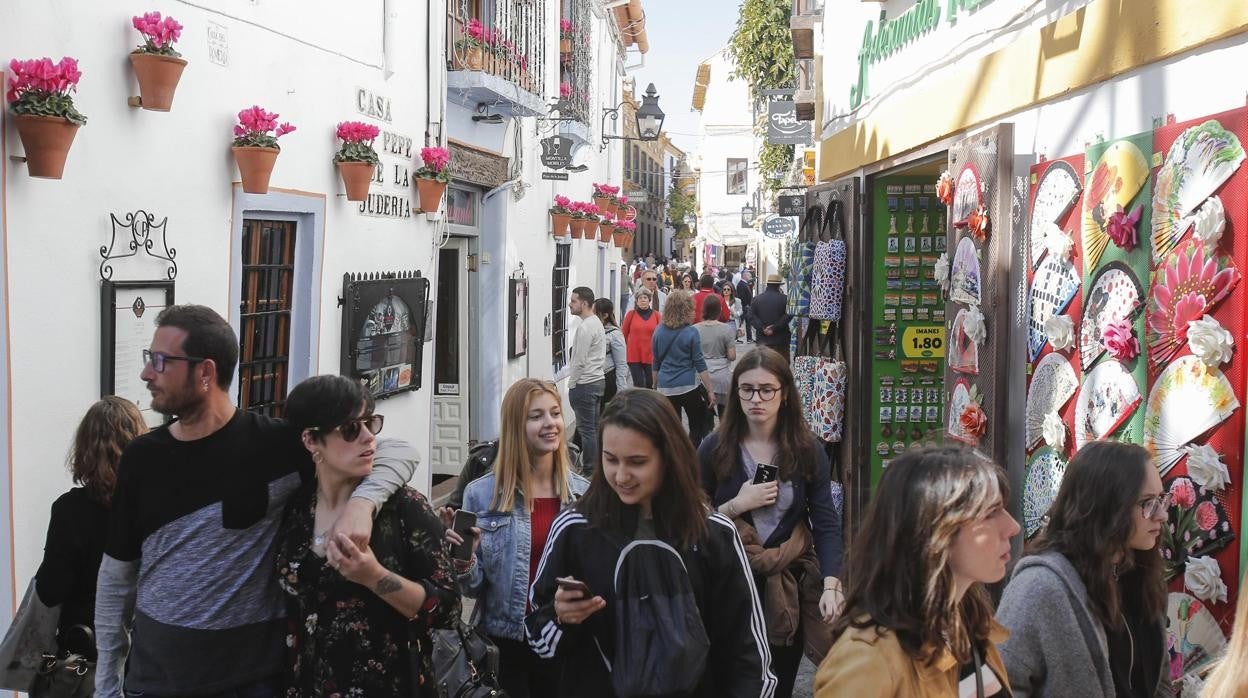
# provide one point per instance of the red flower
(944, 188)
(1206, 516)
(973, 420)
(979, 224)
(1183, 493)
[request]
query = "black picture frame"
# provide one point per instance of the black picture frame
(517, 317)
(121, 346)
(384, 317)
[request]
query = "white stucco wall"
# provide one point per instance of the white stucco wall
(724, 131)
(299, 58)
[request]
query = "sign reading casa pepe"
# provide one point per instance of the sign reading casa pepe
(895, 34)
(390, 192)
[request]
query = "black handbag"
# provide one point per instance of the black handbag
(465, 664)
(71, 676)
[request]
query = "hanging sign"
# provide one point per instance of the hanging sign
(556, 152)
(747, 216)
(791, 204)
(783, 126)
(778, 227)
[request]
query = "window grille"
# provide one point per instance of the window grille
(265, 314)
(558, 307)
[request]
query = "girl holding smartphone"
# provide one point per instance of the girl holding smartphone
(532, 481)
(790, 525)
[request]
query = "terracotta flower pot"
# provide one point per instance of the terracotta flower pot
(356, 176)
(603, 203)
(430, 191)
(255, 165)
(621, 238)
(565, 46)
(591, 229)
(46, 140)
(559, 224)
(605, 230)
(577, 226)
(474, 58)
(158, 78)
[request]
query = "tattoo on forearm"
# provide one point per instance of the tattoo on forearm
(388, 585)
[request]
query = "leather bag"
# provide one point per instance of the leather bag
(465, 664)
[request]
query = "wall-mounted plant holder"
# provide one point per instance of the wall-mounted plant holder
(47, 140)
(158, 79)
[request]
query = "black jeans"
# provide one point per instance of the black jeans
(265, 688)
(698, 413)
(522, 673)
(642, 373)
(745, 320)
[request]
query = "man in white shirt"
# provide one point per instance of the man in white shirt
(587, 373)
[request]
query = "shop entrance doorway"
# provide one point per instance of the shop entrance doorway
(452, 386)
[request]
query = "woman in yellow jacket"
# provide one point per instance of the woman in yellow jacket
(917, 618)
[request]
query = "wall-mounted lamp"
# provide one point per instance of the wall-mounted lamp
(649, 119)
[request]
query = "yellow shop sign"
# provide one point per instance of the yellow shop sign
(923, 342)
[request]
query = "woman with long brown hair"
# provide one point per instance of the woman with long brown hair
(1086, 607)
(790, 526)
(918, 617)
(644, 497)
(532, 481)
(680, 370)
(79, 525)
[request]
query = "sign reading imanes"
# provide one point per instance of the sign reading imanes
(894, 34)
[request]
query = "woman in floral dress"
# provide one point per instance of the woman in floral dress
(358, 615)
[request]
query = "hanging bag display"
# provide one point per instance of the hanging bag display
(802, 262)
(821, 379)
(827, 278)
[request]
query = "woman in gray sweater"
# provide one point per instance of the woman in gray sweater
(1085, 609)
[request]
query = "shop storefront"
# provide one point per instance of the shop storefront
(1035, 201)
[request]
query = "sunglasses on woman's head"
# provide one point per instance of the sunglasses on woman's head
(351, 430)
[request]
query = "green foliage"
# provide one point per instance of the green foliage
(762, 49)
(444, 176)
(356, 151)
(43, 103)
(166, 50)
(680, 204)
(256, 139)
(773, 163)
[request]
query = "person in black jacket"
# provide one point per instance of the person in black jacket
(769, 314)
(646, 490)
(745, 293)
(78, 528)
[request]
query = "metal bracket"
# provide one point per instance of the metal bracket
(139, 225)
(136, 102)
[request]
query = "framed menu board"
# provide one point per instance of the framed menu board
(383, 325)
(128, 311)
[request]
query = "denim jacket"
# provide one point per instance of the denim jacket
(499, 575)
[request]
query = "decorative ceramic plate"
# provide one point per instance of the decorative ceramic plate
(1185, 287)
(1199, 162)
(1107, 399)
(964, 276)
(1115, 294)
(1053, 383)
(1056, 193)
(1118, 176)
(1044, 479)
(1187, 399)
(1052, 289)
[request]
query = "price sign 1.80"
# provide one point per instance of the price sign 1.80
(923, 342)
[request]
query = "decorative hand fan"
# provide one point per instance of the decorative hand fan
(963, 352)
(967, 195)
(1198, 525)
(1107, 399)
(967, 421)
(1044, 478)
(965, 276)
(1199, 162)
(1115, 295)
(1052, 384)
(1052, 289)
(1057, 192)
(1188, 399)
(1116, 179)
(1193, 638)
(1185, 287)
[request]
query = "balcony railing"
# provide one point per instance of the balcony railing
(505, 39)
(576, 55)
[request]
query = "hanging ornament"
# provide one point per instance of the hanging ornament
(973, 325)
(1121, 227)
(1061, 331)
(941, 270)
(978, 224)
(944, 188)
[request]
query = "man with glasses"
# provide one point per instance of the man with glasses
(187, 587)
(650, 281)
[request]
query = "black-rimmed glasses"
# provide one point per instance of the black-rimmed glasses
(1155, 505)
(766, 392)
(158, 358)
(351, 430)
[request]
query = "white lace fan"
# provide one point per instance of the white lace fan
(1052, 384)
(1055, 195)
(1188, 399)
(1044, 479)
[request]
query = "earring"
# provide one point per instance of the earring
(205, 385)
(317, 457)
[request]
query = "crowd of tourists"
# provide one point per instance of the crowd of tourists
(227, 554)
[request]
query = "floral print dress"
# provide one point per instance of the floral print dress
(344, 640)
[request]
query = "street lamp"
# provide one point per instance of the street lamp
(649, 119)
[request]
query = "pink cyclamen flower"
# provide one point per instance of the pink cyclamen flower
(357, 132)
(622, 199)
(436, 159)
(284, 129)
(1119, 339)
(562, 201)
(1183, 493)
(1206, 516)
(70, 75)
(1121, 227)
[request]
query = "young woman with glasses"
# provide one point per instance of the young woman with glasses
(790, 527)
(1086, 607)
(360, 627)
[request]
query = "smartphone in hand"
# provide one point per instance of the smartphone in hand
(462, 524)
(766, 473)
(571, 584)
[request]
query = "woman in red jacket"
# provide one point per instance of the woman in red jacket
(638, 328)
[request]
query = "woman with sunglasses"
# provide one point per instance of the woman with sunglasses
(360, 627)
(532, 481)
(1086, 607)
(764, 469)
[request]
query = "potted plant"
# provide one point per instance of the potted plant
(356, 159)
(606, 228)
(470, 48)
(44, 112)
(560, 216)
(565, 35)
(591, 220)
(255, 147)
(624, 231)
(603, 193)
(579, 217)
(431, 180)
(157, 65)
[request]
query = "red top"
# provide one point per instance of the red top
(639, 336)
(545, 509)
(724, 313)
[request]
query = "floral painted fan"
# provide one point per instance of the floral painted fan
(967, 195)
(1115, 295)
(1052, 289)
(967, 421)
(1193, 639)
(1198, 525)
(1189, 283)
(1199, 162)
(1118, 176)
(1057, 192)
(1044, 479)
(965, 275)
(1053, 383)
(963, 352)
(1107, 399)
(1188, 399)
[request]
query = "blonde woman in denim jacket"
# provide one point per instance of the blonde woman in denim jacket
(512, 528)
